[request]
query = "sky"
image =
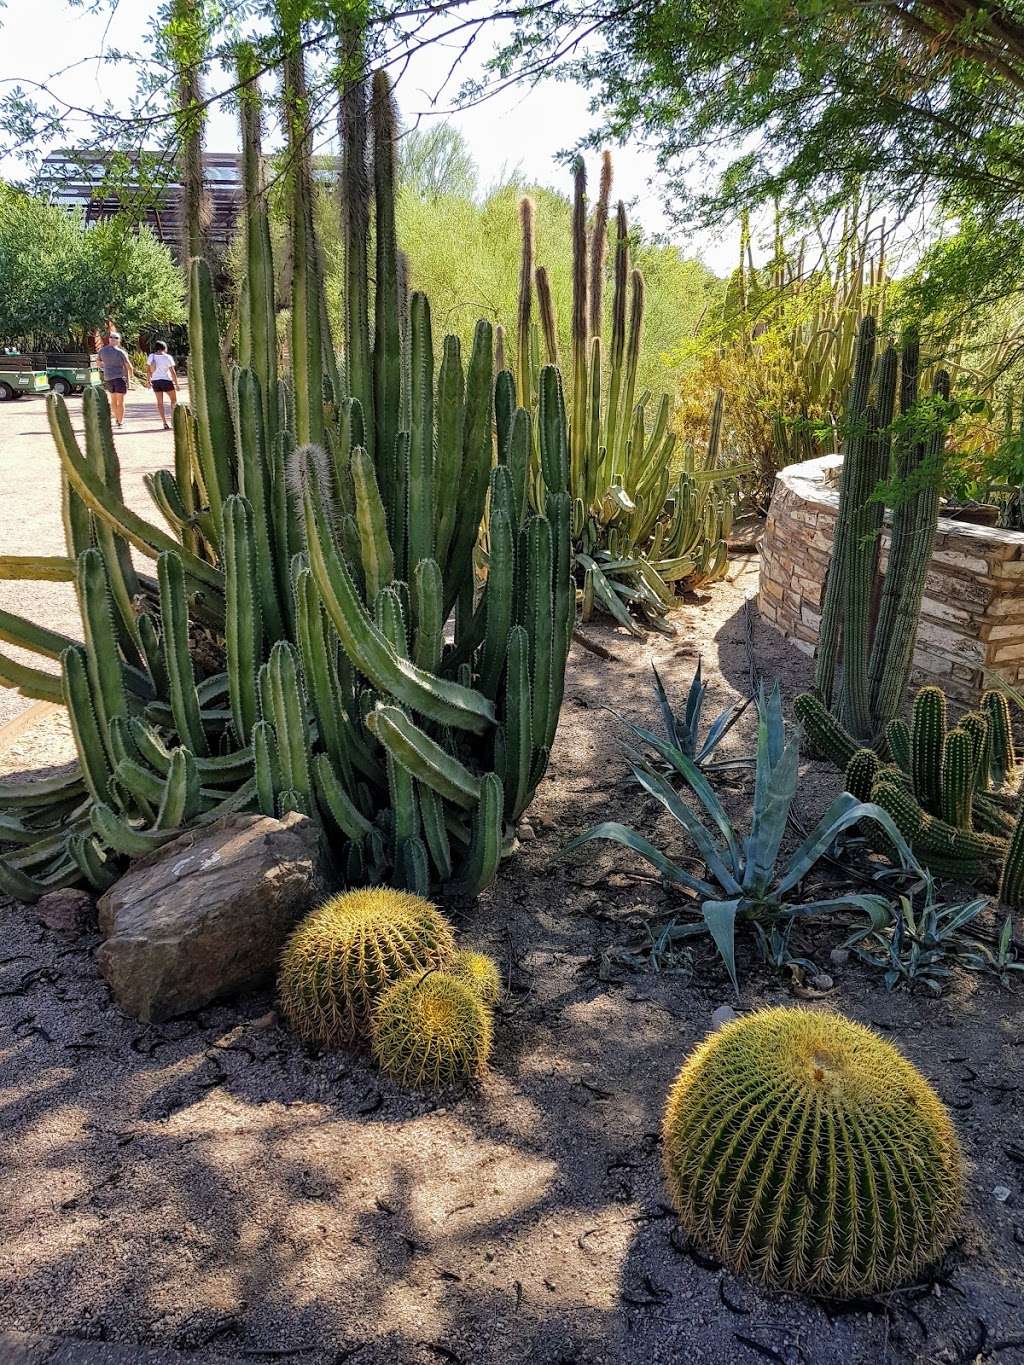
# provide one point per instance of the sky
(523, 128)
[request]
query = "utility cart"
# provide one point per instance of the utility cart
(19, 375)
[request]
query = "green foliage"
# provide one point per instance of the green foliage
(807, 1151)
(348, 951)
(742, 882)
(293, 645)
(430, 1030)
(921, 947)
(62, 279)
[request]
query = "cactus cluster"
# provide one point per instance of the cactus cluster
(347, 952)
(382, 966)
(319, 633)
(874, 630)
(940, 784)
(806, 1150)
(642, 530)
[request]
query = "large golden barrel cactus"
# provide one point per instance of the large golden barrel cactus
(430, 1030)
(340, 958)
(805, 1149)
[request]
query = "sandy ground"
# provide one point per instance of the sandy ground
(30, 520)
(210, 1187)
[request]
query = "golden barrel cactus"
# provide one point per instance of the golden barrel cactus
(338, 960)
(479, 971)
(805, 1149)
(431, 1030)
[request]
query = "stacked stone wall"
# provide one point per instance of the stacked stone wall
(972, 615)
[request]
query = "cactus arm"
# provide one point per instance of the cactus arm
(180, 675)
(498, 601)
(423, 757)
(149, 539)
(451, 410)
(957, 781)
(428, 594)
(476, 462)
(1011, 881)
(435, 832)
(215, 429)
(387, 342)
(254, 485)
(420, 529)
(518, 717)
(92, 753)
(336, 801)
(438, 700)
(377, 557)
(242, 626)
(540, 619)
(106, 677)
(480, 866)
(289, 720)
(927, 736)
(266, 767)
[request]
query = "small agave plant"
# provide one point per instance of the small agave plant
(741, 881)
(683, 731)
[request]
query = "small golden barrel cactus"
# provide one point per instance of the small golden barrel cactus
(804, 1149)
(479, 971)
(340, 958)
(430, 1030)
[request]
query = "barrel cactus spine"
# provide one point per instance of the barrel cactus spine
(761, 1182)
(431, 1029)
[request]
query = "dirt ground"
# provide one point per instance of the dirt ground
(30, 504)
(211, 1187)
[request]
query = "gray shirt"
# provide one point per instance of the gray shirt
(114, 362)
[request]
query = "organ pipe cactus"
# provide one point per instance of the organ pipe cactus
(287, 646)
(646, 523)
(877, 641)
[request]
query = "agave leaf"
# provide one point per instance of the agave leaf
(621, 834)
(773, 797)
(720, 917)
(668, 715)
(718, 730)
(844, 811)
(678, 809)
(702, 789)
(694, 706)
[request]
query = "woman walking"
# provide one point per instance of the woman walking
(163, 377)
(117, 372)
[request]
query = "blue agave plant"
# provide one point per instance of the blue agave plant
(741, 881)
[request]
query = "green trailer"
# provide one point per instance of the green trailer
(20, 375)
(72, 372)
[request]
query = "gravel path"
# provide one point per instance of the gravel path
(30, 520)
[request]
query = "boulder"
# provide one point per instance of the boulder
(68, 911)
(206, 916)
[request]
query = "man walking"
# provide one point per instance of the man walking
(117, 370)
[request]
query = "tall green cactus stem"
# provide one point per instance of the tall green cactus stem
(208, 393)
(1011, 881)
(861, 772)
(242, 625)
(261, 324)
(957, 778)
(355, 211)
(525, 302)
(387, 340)
(977, 727)
(897, 739)
(1003, 757)
(307, 341)
(927, 735)
(851, 499)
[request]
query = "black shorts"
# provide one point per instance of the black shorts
(163, 385)
(117, 386)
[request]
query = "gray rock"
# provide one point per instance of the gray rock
(821, 981)
(1001, 1193)
(68, 911)
(206, 916)
(725, 1014)
(526, 832)
(839, 957)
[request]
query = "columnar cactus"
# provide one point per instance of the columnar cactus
(876, 644)
(641, 532)
(927, 734)
(860, 773)
(1003, 758)
(292, 650)
(806, 1150)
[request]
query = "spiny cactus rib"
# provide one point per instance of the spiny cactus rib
(805, 1150)
(927, 735)
(1011, 881)
(430, 1030)
(825, 735)
(957, 779)
(1003, 758)
(346, 953)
